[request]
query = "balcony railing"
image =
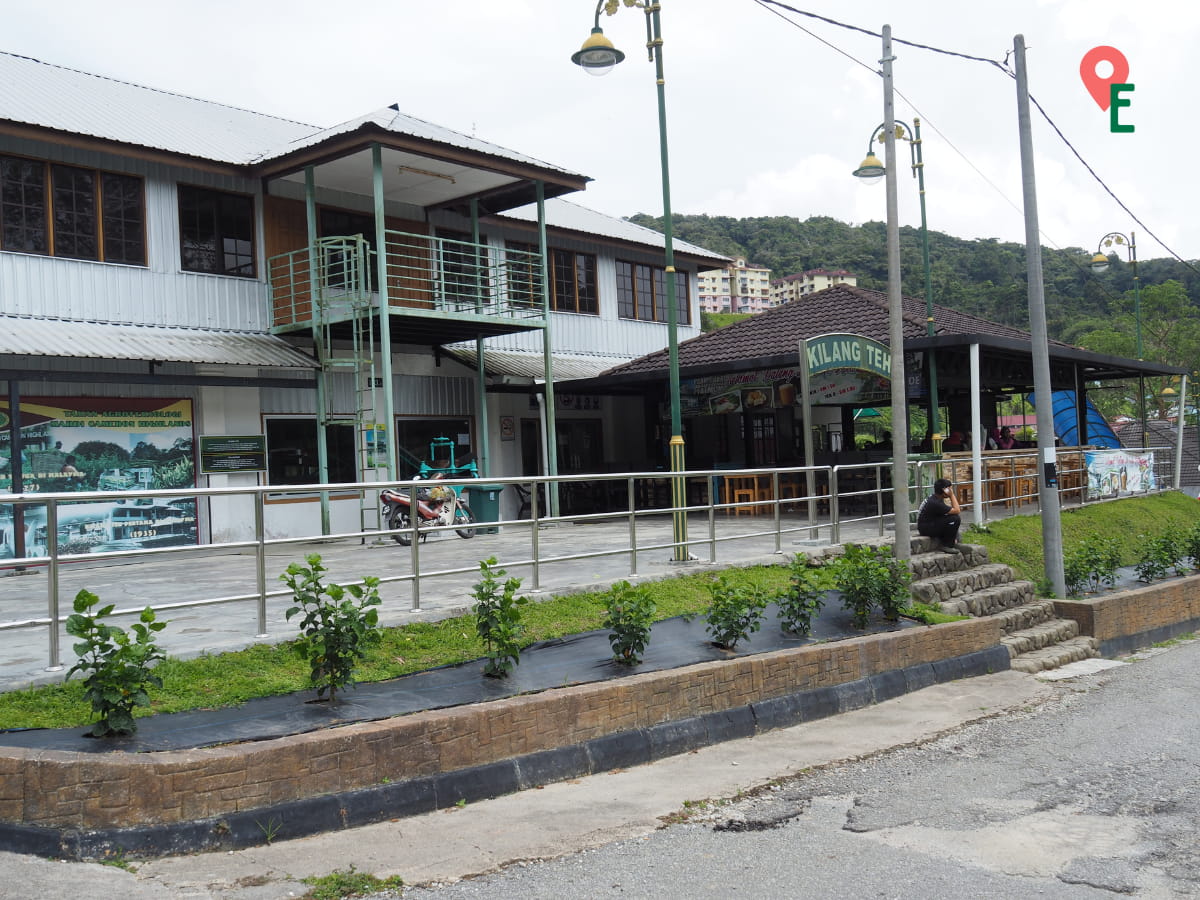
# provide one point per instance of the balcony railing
(423, 272)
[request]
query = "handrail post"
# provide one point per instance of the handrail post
(631, 493)
(260, 563)
(52, 585)
(414, 552)
(778, 523)
(534, 514)
(879, 498)
(835, 525)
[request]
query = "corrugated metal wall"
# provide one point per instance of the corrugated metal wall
(414, 395)
(159, 294)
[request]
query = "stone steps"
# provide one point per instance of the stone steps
(966, 584)
(1052, 657)
(1040, 636)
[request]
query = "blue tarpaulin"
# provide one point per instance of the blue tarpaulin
(1066, 423)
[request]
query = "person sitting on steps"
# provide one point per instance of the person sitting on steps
(940, 516)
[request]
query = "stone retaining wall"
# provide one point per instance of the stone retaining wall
(1123, 622)
(83, 804)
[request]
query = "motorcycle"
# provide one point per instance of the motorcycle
(436, 505)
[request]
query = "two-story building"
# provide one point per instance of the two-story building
(192, 293)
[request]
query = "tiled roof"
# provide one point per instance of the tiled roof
(838, 309)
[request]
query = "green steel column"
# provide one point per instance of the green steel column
(677, 451)
(934, 414)
(385, 332)
(485, 467)
(314, 287)
(547, 352)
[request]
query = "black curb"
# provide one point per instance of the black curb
(1126, 644)
(314, 815)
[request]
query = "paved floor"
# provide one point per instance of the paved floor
(449, 568)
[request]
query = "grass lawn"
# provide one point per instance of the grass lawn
(231, 678)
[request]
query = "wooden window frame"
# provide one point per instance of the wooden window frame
(222, 234)
(54, 235)
(642, 295)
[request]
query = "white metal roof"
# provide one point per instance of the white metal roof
(565, 214)
(529, 364)
(37, 93)
(33, 336)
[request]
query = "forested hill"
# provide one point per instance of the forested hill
(984, 277)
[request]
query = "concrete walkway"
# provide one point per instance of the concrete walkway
(449, 568)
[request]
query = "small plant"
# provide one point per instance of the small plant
(497, 612)
(871, 577)
(119, 667)
(269, 828)
(338, 626)
(804, 597)
(736, 611)
(1191, 545)
(1092, 566)
(629, 613)
(1176, 542)
(343, 883)
(1156, 556)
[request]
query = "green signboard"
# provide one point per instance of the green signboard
(221, 454)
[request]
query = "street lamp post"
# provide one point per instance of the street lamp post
(597, 56)
(1100, 264)
(871, 171)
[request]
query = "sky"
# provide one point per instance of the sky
(764, 118)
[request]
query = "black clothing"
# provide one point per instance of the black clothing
(935, 520)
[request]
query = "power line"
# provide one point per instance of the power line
(1003, 67)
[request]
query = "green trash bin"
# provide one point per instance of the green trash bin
(484, 500)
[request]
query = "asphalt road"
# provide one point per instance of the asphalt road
(1092, 792)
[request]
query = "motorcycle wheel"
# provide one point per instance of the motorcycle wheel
(463, 515)
(399, 520)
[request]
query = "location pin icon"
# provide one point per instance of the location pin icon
(1099, 87)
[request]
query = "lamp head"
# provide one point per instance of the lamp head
(1099, 263)
(870, 170)
(597, 56)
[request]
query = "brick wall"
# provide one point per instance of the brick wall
(1123, 621)
(68, 790)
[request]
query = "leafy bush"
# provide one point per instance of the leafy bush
(736, 611)
(339, 623)
(872, 577)
(498, 618)
(1156, 556)
(804, 597)
(1092, 566)
(1191, 545)
(629, 613)
(119, 667)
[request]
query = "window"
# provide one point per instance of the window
(292, 451)
(216, 232)
(642, 293)
(573, 284)
(67, 211)
(572, 279)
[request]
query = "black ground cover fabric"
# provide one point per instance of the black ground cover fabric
(577, 659)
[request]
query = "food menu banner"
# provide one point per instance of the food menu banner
(100, 444)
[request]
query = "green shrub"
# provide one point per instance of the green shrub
(804, 597)
(1155, 558)
(120, 669)
(1191, 545)
(497, 613)
(736, 611)
(1092, 566)
(870, 578)
(629, 613)
(339, 623)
